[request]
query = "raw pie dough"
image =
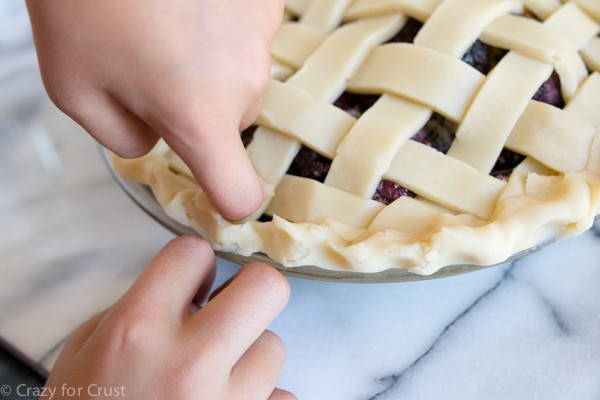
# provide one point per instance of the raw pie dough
(461, 214)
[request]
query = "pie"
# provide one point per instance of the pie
(413, 134)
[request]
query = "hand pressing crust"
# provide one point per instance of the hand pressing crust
(191, 72)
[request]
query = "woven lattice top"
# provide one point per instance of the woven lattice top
(458, 212)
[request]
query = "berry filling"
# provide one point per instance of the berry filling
(408, 32)
(507, 161)
(248, 135)
(550, 92)
(355, 104)
(438, 133)
(388, 191)
(483, 57)
(310, 164)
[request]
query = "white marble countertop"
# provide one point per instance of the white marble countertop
(72, 242)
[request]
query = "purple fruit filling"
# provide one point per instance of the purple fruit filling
(388, 191)
(310, 164)
(355, 104)
(408, 32)
(438, 133)
(507, 161)
(248, 135)
(483, 57)
(550, 92)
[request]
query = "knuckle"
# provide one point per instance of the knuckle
(129, 333)
(67, 95)
(74, 102)
(183, 118)
(66, 99)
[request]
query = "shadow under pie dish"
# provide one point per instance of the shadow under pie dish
(412, 135)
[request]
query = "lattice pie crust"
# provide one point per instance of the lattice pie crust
(461, 213)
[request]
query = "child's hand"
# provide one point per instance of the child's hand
(151, 345)
(192, 72)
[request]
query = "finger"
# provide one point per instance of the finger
(171, 280)
(220, 164)
(235, 318)
(226, 283)
(200, 118)
(115, 127)
(279, 394)
(259, 368)
(81, 335)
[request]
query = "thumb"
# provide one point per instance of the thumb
(218, 161)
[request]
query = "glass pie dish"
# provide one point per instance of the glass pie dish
(142, 196)
(421, 138)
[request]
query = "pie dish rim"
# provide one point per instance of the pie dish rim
(142, 196)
